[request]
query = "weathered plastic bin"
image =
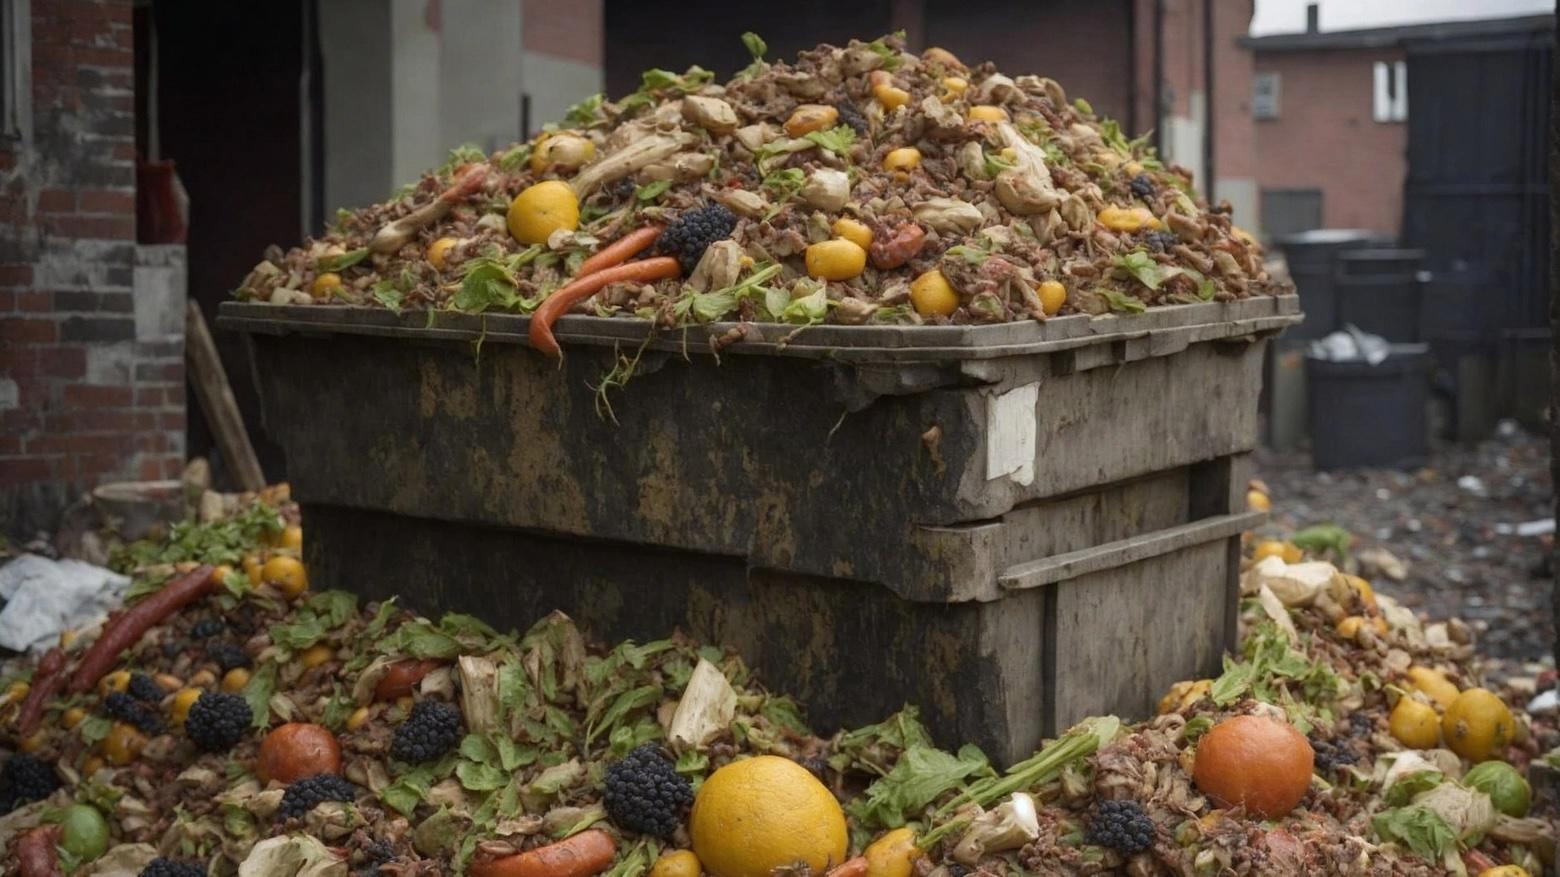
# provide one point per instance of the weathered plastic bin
(1012, 526)
(1381, 290)
(1370, 415)
(1311, 257)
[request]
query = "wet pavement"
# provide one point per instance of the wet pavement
(1474, 528)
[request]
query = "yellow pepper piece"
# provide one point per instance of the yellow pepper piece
(904, 159)
(988, 113)
(1128, 218)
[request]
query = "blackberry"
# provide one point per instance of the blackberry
(1330, 756)
(173, 648)
(160, 867)
(623, 189)
(305, 794)
(644, 793)
(142, 688)
(1123, 826)
(1142, 186)
(691, 233)
(852, 117)
(218, 720)
(123, 707)
(227, 656)
(432, 730)
(373, 854)
(207, 627)
(1161, 241)
(25, 779)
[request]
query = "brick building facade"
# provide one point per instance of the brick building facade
(91, 371)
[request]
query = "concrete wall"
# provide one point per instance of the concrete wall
(1325, 138)
(407, 80)
(91, 327)
(562, 63)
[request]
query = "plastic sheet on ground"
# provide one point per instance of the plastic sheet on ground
(46, 597)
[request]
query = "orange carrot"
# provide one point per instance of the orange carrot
(856, 867)
(619, 251)
(585, 854)
(579, 289)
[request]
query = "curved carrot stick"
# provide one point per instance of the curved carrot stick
(619, 251)
(585, 854)
(126, 628)
(47, 682)
(579, 289)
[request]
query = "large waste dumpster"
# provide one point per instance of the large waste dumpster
(1013, 526)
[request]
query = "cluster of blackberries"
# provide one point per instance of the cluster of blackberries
(644, 793)
(1142, 186)
(309, 792)
(1160, 241)
(1331, 756)
(123, 707)
(161, 867)
(24, 779)
(207, 627)
(227, 656)
(852, 118)
(1122, 826)
(432, 730)
(692, 232)
(217, 721)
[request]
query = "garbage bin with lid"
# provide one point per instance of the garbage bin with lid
(1365, 414)
(1311, 256)
(1381, 291)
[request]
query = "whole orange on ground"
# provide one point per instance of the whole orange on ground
(1255, 761)
(297, 750)
(758, 814)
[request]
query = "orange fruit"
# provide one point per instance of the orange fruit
(297, 750)
(1257, 762)
(758, 814)
(1434, 684)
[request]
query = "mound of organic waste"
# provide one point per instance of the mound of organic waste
(862, 184)
(231, 721)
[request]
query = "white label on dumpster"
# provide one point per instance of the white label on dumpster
(1010, 434)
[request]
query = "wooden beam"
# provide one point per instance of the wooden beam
(215, 394)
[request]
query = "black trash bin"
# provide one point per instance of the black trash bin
(1381, 291)
(1365, 415)
(1311, 256)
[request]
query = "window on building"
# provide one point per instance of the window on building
(1391, 102)
(1264, 96)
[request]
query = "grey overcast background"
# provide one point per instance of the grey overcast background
(1288, 16)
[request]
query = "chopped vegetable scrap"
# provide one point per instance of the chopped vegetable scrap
(367, 740)
(895, 188)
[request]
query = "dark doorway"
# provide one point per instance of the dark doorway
(237, 111)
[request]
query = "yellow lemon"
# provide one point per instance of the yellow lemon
(1434, 685)
(758, 814)
(1258, 501)
(931, 293)
(893, 854)
(543, 209)
(1415, 724)
(286, 574)
(1478, 725)
(1052, 296)
(676, 863)
(854, 231)
(838, 259)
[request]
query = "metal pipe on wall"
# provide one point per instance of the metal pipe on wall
(1159, 76)
(1209, 116)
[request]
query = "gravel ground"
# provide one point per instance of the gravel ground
(1454, 525)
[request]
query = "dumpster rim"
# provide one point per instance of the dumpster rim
(1241, 317)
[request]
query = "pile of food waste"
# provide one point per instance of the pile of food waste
(863, 184)
(232, 720)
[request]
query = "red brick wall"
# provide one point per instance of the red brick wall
(84, 396)
(1324, 137)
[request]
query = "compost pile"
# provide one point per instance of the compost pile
(232, 721)
(862, 184)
